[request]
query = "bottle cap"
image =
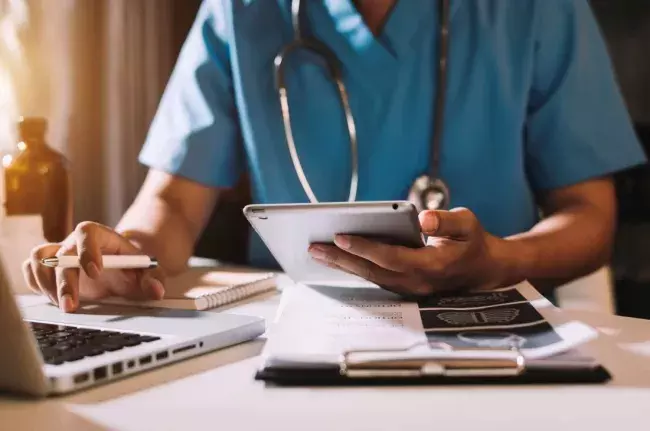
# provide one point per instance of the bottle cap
(30, 128)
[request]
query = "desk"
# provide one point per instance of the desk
(217, 391)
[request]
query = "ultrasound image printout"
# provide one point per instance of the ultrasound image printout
(529, 337)
(510, 315)
(496, 319)
(472, 300)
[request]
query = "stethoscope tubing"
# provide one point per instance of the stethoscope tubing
(334, 69)
(433, 182)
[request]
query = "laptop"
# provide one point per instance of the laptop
(47, 352)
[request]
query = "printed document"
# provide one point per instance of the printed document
(317, 324)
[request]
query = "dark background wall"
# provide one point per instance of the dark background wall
(184, 13)
(626, 26)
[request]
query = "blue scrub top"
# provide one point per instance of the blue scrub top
(532, 104)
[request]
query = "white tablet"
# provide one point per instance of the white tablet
(289, 229)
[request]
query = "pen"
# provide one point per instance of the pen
(108, 262)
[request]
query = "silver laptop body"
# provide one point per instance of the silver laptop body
(44, 351)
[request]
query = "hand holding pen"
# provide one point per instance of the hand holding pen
(93, 262)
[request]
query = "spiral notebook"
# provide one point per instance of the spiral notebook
(203, 289)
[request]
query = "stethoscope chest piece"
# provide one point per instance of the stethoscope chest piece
(429, 194)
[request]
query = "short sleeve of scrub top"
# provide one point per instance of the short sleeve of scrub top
(195, 132)
(578, 126)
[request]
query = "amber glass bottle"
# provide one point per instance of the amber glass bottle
(37, 181)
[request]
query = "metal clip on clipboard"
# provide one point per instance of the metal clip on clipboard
(443, 361)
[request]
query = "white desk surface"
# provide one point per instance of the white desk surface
(217, 391)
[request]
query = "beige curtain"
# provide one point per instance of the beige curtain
(97, 71)
(139, 57)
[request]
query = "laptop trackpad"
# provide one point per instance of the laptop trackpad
(141, 319)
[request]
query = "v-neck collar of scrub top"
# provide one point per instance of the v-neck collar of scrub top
(376, 58)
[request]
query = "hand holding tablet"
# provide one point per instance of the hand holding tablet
(289, 230)
(383, 243)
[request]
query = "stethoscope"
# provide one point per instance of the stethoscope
(428, 191)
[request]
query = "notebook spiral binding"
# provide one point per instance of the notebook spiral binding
(234, 293)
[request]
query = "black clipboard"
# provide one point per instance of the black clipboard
(443, 366)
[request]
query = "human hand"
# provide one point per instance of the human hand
(459, 254)
(65, 287)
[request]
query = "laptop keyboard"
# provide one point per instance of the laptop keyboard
(60, 343)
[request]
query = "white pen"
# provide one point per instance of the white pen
(108, 262)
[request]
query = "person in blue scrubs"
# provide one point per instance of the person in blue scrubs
(535, 126)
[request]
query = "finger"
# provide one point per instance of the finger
(409, 290)
(363, 268)
(67, 283)
(91, 239)
(28, 275)
(88, 249)
(152, 285)
(333, 265)
(390, 257)
(458, 223)
(134, 284)
(44, 275)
